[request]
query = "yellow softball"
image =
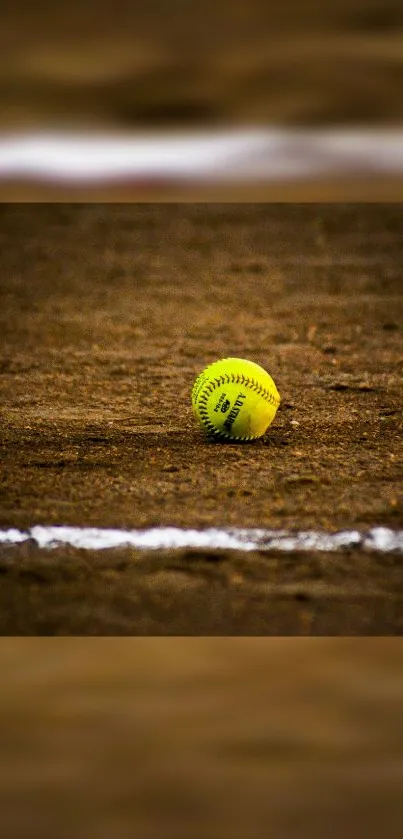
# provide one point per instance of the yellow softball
(235, 399)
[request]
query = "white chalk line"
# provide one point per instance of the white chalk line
(377, 539)
(238, 155)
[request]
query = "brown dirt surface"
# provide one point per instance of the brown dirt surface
(107, 314)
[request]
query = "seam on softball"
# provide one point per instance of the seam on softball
(239, 379)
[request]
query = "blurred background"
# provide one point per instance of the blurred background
(163, 63)
(161, 67)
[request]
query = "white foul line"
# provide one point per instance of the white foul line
(228, 156)
(378, 539)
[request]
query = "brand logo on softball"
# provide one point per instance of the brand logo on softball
(234, 411)
(222, 404)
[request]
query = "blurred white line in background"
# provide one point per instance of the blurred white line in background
(379, 539)
(268, 154)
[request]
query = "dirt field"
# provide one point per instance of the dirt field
(107, 314)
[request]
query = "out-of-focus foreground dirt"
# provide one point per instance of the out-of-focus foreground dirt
(167, 738)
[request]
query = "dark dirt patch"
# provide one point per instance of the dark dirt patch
(195, 592)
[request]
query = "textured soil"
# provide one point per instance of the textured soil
(107, 314)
